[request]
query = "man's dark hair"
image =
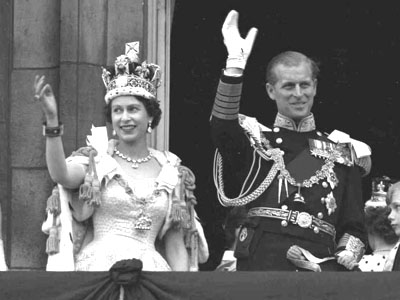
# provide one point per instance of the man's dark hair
(289, 59)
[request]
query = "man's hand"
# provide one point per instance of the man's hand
(346, 258)
(238, 48)
(294, 252)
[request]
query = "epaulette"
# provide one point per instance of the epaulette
(253, 128)
(360, 151)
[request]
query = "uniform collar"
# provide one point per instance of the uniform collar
(307, 124)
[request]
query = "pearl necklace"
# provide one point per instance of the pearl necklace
(135, 162)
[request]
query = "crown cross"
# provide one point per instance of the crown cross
(131, 77)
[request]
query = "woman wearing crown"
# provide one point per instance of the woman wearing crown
(134, 201)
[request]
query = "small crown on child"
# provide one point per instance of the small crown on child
(130, 77)
(380, 186)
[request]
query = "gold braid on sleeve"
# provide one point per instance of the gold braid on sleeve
(353, 244)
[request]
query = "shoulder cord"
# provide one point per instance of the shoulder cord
(275, 154)
(241, 199)
(268, 154)
(248, 175)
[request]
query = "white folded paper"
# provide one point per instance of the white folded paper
(98, 139)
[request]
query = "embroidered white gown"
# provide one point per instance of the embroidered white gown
(115, 236)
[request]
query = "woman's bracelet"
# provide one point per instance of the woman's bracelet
(53, 131)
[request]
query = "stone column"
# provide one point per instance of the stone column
(36, 47)
(5, 180)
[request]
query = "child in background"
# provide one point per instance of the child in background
(393, 201)
(381, 236)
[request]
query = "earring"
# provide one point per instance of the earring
(114, 133)
(149, 129)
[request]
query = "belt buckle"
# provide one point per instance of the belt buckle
(304, 220)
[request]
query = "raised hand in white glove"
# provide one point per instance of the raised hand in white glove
(238, 48)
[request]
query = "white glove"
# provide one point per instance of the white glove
(348, 259)
(238, 48)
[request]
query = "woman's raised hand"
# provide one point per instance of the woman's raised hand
(43, 93)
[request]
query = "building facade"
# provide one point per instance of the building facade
(67, 41)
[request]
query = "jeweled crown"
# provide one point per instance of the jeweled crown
(130, 77)
(380, 186)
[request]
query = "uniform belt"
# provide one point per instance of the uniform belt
(302, 219)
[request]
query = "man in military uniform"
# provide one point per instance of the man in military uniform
(302, 188)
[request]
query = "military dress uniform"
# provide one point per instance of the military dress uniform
(300, 188)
